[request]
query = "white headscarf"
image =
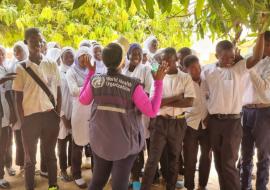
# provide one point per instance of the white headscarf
(80, 71)
(53, 54)
(100, 66)
(147, 43)
(64, 67)
(51, 45)
(24, 47)
(87, 43)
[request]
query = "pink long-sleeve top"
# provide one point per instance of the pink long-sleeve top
(149, 107)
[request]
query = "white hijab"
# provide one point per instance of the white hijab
(148, 42)
(80, 71)
(64, 67)
(53, 54)
(24, 47)
(51, 45)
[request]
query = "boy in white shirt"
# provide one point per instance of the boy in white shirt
(197, 132)
(224, 102)
(168, 129)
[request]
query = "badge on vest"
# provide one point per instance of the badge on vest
(98, 82)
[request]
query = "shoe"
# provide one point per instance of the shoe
(11, 171)
(65, 177)
(179, 184)
(53, 187)
(4, 184)
(80, 183)
(87, 163)
(43, 174)
(136, 185)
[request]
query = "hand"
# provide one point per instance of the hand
(87, 63)
(161, 72)
(7, 77)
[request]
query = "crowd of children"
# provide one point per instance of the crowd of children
(117, 104)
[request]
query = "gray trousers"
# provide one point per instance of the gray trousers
(256, 128)
(192, 141)
(45, 126)
(170, 133)
(225, 138)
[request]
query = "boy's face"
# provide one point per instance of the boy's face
(35, 44)
(171, 60)
(136, 56)
(68, 58)
(266, 48)
(226, 57)
(98, 53)
(18, 53)
(195, 71)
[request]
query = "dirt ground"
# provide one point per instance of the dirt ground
(17, 182)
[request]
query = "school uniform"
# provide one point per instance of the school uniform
(224, 102)
(64, 137)
(79, 118)
(197, 136)
(6, 130)
(40, 119)
(143, 73)
(168, 129)
(256, 119)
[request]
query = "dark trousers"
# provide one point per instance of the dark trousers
(45, 126)
(64, 152)
(120, 171)
(19, 148)
(225, 137)
(5, 141)
(137, 167)
(192, 141)
(8, 157)
(256, 130)
(170, 133)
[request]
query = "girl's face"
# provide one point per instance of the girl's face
(81, 63)
(98, 53)
(154, 46)
(136, 56)
(19, 53)
(68, 58)
(2, 57)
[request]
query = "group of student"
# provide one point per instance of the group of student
(118, 102)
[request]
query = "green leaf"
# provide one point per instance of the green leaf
(137, 4)
(119, 2)
(198, 8)
(128, 4)
(185, 4)
(78, 3)
(150, 8)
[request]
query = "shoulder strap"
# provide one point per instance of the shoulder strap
(40, 83)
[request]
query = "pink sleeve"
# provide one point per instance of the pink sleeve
(149, 107)
(86, 95)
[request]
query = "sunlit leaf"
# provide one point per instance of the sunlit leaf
(78, 3)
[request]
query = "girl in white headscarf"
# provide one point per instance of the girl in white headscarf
(54, 55)
(151, 46)
(96, 52)
(80, 114)
(20, 53)
(53, 45)
(64, 137)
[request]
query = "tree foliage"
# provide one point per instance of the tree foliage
(174, 22)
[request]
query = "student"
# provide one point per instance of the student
(136, 69)
(53, 45)
(223, 88)
(168, 129)
(256, 131)
(96, 52)
(44, 47)
(39, 113)
(87, 43)
(6, 123)
(80, 114)
(54, 55)
(181, 54)
(116, 132)
(144, 59)
(20, 52)
(65, 138)
(196, 133)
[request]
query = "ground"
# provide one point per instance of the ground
(17, 182)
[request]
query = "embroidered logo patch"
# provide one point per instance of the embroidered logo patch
(98, 82)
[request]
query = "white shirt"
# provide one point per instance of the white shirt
(257, 83)
(141, 72)
(34, 98)
(176, 85)
(198, 112)
(224, 88)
